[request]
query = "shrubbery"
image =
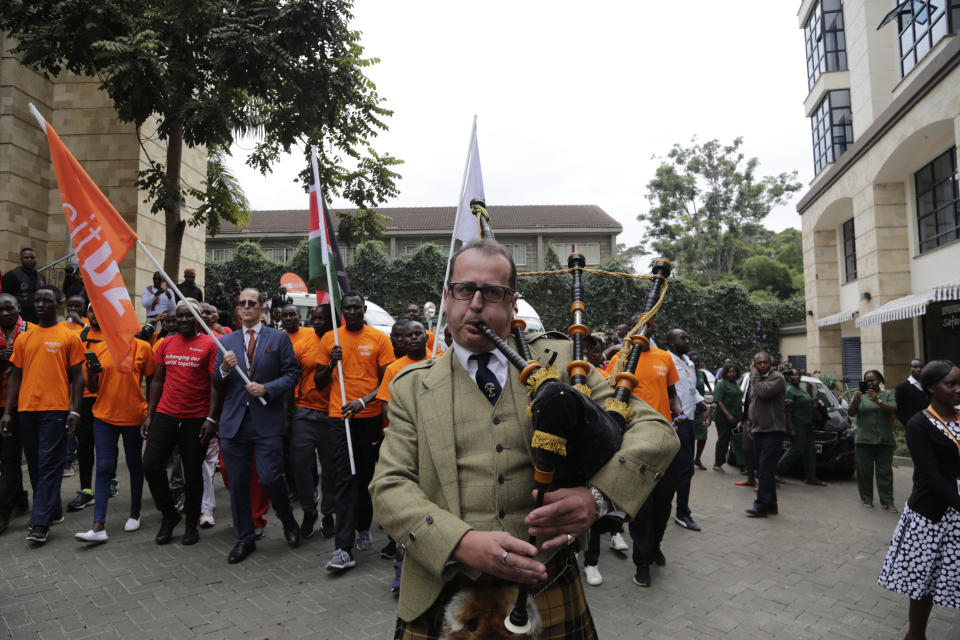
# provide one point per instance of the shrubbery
(723, 320)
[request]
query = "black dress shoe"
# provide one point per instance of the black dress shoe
(658, 558)
(258, 533)
(240, 552)
(307, 528)
(754, 513)
(165, 534)
(191, 535)
(291, 531)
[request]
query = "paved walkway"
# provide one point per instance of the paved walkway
(809, 573)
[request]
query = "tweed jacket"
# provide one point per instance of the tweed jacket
(425, 468)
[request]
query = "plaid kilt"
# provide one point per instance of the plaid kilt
(563, 607)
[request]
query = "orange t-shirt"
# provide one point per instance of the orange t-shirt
(655, 374)
(45, 355)
(364, 352)
(430, 338)
(73, 326)
(306, 346)
(393, 369)
(120, 400)
(155, 343)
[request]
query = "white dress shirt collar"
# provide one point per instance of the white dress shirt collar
(498, 363)
(914, 382)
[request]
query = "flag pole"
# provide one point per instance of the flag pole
(193, 312)
(333, 313)
(456, 221)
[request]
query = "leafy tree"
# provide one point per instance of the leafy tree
(206, 71)
(762, 273)
(250, 265)
(223, 197)
(707, 206)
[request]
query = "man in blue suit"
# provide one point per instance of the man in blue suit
(248, 428)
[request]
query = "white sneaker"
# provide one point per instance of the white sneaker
(92, 536)
(132, 524)
(593, 575)
(206, 520)
(617, 543)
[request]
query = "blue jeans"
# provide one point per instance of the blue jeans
(105, 436)
(44, 436)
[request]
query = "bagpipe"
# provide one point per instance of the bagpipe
(573, 436)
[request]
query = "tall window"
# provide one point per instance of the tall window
(825, 41)
(849, 251)
(923, 26)
(519, 252)
(832, 128)
(590, 251)
(938, 204)
(220, 255)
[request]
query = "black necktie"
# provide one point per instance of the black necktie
(485, 379)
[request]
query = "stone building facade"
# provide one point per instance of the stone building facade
(881, 218)
(110, 151)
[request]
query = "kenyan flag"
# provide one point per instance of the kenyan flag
(327, 273)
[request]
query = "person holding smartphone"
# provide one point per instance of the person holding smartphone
(120, 408)
(874, 408)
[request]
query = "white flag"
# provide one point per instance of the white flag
(467, 228)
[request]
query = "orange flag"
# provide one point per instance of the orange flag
(101, 239)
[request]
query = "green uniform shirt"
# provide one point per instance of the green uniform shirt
(731, 397)
(801, 409)
(874, 425)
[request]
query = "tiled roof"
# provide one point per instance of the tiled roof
(585, 216)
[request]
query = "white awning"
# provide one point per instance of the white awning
(837, 318)
(909, 306)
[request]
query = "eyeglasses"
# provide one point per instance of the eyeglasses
(247, 303)
(489, 292)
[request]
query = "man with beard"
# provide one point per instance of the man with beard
(365, 353)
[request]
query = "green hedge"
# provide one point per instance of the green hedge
(723, 320)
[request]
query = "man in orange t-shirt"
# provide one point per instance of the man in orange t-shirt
(13, 499)
(44, 387)
(310, 430)
(364, 354)
(90, 336)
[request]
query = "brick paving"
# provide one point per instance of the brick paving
(809, 573)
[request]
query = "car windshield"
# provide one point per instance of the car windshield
(819, 391)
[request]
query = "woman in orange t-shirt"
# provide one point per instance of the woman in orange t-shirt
(119, 411)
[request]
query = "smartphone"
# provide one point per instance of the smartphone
(863, 386)
(93, 362)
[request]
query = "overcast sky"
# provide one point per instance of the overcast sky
(573, 100)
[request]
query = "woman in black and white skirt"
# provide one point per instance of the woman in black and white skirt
(923, 561)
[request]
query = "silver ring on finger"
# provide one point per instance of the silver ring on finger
(503, 557)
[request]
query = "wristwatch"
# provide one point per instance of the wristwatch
(603, 505)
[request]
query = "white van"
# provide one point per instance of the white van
(528, 314)
(376, 316)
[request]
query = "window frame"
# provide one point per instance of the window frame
(849, 235)
(582, 248)
(829, 143)
(819, 58)
(950, 232)
(924, 37)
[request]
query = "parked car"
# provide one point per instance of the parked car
(832, 429)
(528, 314)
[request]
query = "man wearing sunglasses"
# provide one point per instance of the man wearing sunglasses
(455, 480)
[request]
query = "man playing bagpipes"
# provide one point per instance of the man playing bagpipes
(455, 481)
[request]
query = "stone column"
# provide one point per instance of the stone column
(822, 291)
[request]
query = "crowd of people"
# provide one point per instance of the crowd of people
(268, 409)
